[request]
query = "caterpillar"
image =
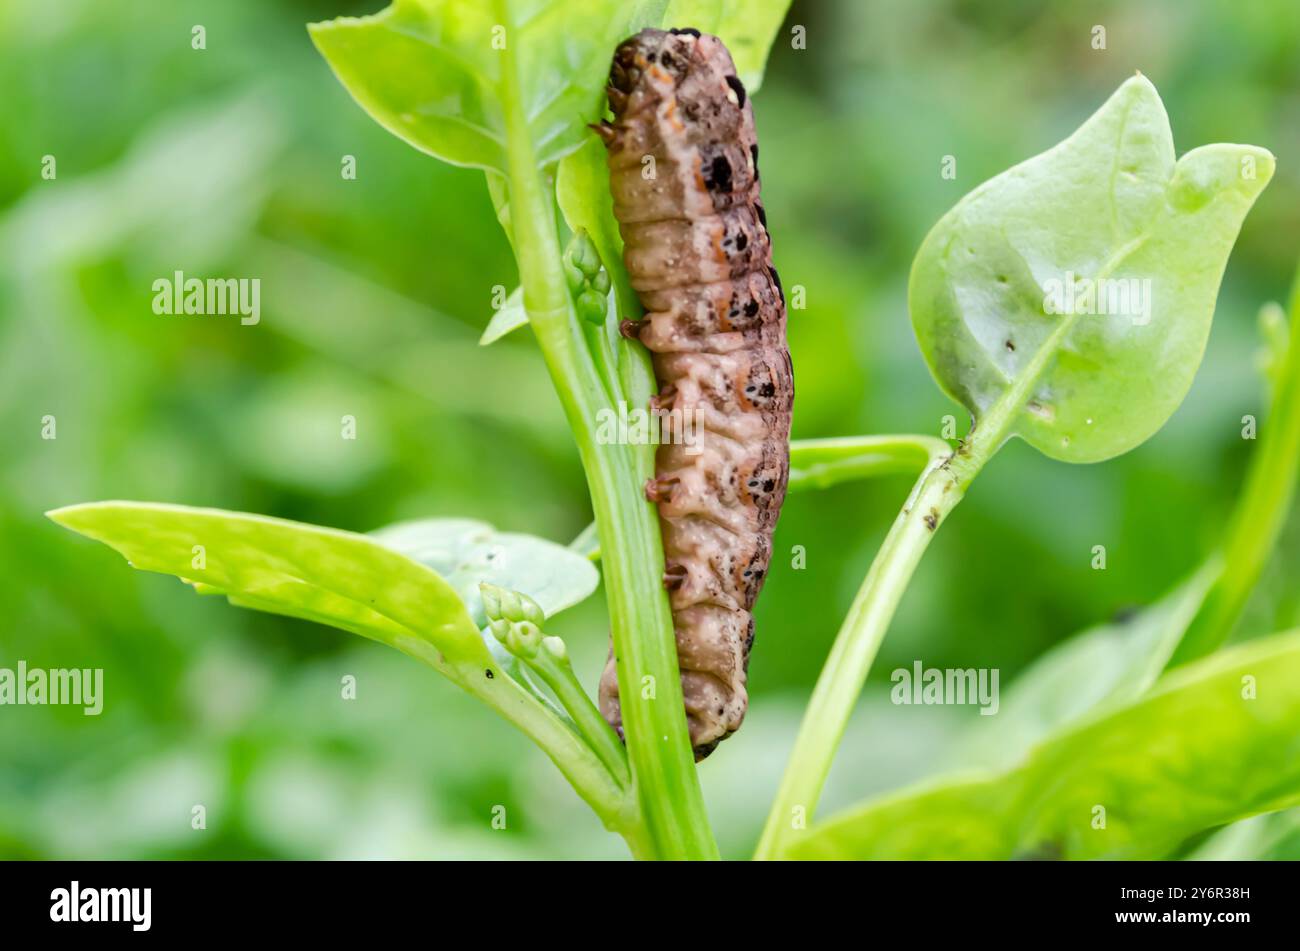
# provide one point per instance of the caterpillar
(683, 160)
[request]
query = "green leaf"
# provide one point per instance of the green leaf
(499, 192)
(1109, 208)
(430, 71)
(748, 27)
(466, 553)
(1212, 743)
(339, 578)
(351, 582)
(1271, 838)
(510, 317)
(1110, 663)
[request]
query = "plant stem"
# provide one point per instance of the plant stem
(558, 674)
(936, 493)
(659, 752)
(599, 787)
(822, 463)
(1259, 515)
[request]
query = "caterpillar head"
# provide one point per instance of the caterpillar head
(667, 51)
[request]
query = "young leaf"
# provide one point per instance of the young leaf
(352, 582)
(430, 71)
(510, 317)
(322, 574)
(1214, 742)
(1068, 300)
(1111, 663)
(467, 553)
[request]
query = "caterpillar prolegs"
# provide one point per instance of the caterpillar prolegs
(683, 162)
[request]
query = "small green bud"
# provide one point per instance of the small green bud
(1273, 328)
(555, 647)
(511, 609)
(491, 599)
(573, 275)
(590, 305)
(532, 611)
(525, 639)
(584, 254)
(588, 281)
(581, 262)
(500, 629)
(503, 604)
(1272, 319)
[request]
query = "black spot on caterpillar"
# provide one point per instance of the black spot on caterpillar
(738, 88)
(699, 256)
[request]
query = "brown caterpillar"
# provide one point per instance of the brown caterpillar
(699, 257)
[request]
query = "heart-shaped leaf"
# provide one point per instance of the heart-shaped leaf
(1068, 300)
(466, 552)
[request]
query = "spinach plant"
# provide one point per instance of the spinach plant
(1153, 709)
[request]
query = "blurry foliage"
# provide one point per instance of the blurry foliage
(227, 161)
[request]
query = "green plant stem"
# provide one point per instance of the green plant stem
(599, 786)
(1261, 512)
(604, 785)
(659, 752)
(936, 493)
(822, 463)
(558, 674)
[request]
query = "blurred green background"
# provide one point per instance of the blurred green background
(226, 162)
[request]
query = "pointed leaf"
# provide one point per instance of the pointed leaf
(1111, 663)
(1071, 296)
(1213, 742)
(510, 317)
(339, 578)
